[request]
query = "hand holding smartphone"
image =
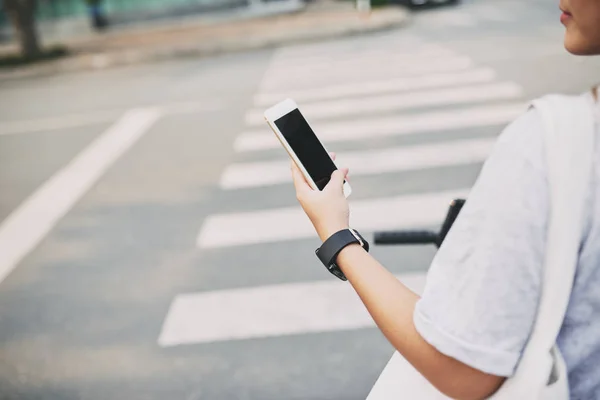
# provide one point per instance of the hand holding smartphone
(301, 143)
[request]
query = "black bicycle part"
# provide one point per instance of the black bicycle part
(406, 237)
(420, 236)
(455, 207)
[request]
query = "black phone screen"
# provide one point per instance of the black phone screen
(307, 147)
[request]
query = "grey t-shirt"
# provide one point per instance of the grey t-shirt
(483, 285)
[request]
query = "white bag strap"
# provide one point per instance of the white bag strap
(569, 124)
(569, 143)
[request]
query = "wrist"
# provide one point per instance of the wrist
(326, 233)
(337, 246)
(347, 254)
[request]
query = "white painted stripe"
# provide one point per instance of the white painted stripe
(358, 61)
(97, 117)
(353, 45)
(276, 310)
(363, 67)
(406, 158)
(480, 75)
(56, 123)
(397, 102)
(309, 61)
(283, 224)
(37, 215)
(284, 81)
(284, 56)
(368, 128)
(191, 107)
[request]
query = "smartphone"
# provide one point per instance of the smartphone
(301, 143)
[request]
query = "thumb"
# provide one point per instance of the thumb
(337, 180)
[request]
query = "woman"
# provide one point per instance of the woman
(468, 330)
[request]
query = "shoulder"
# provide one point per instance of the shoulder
(526, 126)
(523, 139)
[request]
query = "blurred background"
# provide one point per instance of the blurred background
(150, 243)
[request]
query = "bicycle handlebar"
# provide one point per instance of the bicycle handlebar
(406, 237)
(422, 237)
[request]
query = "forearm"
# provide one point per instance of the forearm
(392, 305)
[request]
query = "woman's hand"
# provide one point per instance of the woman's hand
(327, 209)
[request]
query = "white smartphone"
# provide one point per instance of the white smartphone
(301, 143)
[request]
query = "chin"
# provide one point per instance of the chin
(576, 50)
(579, 47)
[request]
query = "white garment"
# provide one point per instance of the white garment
(483, 286)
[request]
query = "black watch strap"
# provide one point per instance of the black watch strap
(330, 249)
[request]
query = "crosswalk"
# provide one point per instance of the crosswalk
(366, 162)
(364, 103)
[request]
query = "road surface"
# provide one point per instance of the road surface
(150, 243)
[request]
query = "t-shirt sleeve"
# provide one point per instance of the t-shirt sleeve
(483, 286)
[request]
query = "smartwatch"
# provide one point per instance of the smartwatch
(330, 249)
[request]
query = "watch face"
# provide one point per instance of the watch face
(365, 243)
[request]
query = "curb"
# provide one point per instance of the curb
(354, 24)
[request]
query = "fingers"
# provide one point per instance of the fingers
(337, 180)
(345, 172)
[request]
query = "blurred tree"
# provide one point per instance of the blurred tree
(22, 16)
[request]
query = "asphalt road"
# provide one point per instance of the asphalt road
(151, 246)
